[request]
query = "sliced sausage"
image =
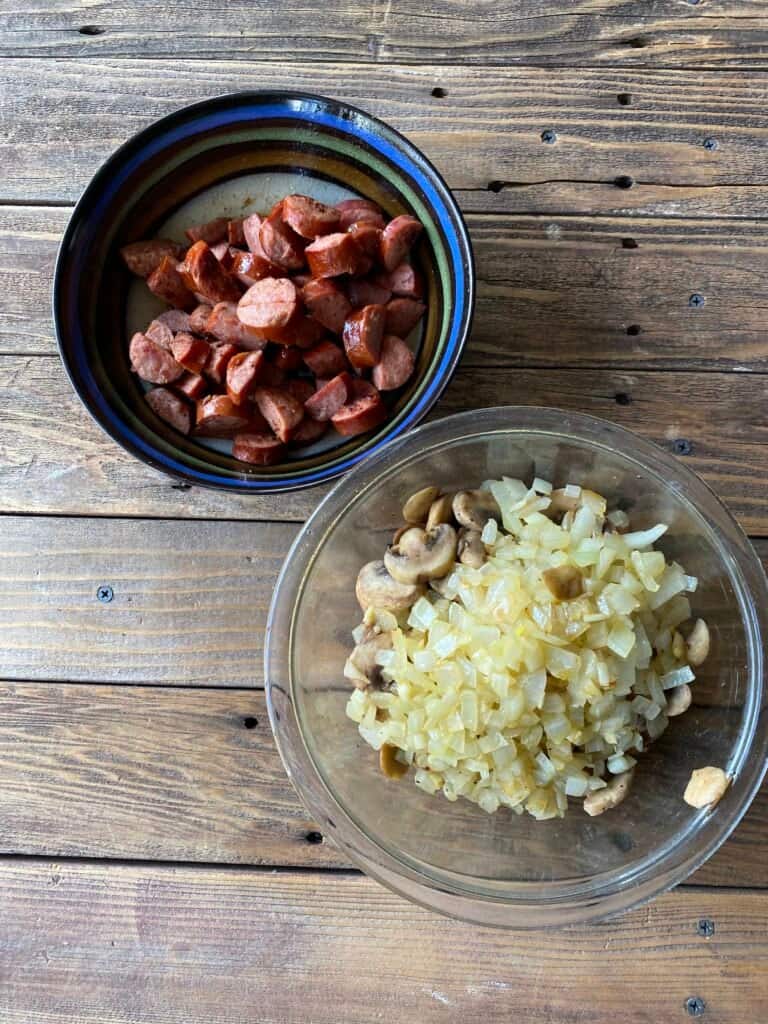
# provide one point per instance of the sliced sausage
(221, 252)
(280, 242)
(190, 352)
(406, 281)
(334, 254)
(364, 410)
(251, 228)
(242, 373)
(216, 368)
(176, 319)
(160, 333)
(142, 258)
(358, 211)
(151, 362)
(269, 305)
(235, 233)
(250, 267)
(280, 409)
(192, 385)
(325, 359)
(204, 275)
(402, 315)
(287, 358)
(211, 232)
(258, 449)
(308, 217)
(171, 408)
(363, 331)
(363, 291)
(397, 238)
(167, 284)
(327, 303)
(198, 318)
(395, 365)
(308, 431)
(224, 324)
(302, 332)
(300, 388)
(328, 399)
(219, 416)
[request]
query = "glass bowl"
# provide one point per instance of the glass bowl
(503, 869)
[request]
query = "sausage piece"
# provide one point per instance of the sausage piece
(258, 449)
(406, 281)
(212, 231)
(302, 331)
(280, 409)
(364, 410)
(242, 373)
(224, 324)
(358, 211)
(269, 305)
(395, 365)
(334, 254)
(198, 318)
(308, 217)
(171, 408)
(272, 376)
(325, 359)
(280, 242)
(192, 385)
(151, 362)
(235, 233)
(204, 275)
(168, 284)
(402, 315)
(300, 388)
(160, 333)
(190, 352)
(327, 303)
(363, 331)
(397, 238)
(219, 416)
(368, 239)
(176, 319)
(308, 431)
(287, 358)
(216, 367)
(365, 292)
(328, 399)
(142, 258)
(250, 267)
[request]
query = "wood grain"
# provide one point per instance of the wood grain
(606, 31)
(181, 775)
(585, 281)
(129, 944)
(54, 459)
(487, 127)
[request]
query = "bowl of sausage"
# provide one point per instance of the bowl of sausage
(259, 290)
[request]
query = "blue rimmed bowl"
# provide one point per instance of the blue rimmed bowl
(230, 156)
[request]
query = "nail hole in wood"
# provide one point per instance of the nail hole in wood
(629, 243)
(250, 722)
(633, 330)
(91, 30)
(495, 186)
(637, 42)
(314, 838)
(624, 98)
(439, 93)
(622, 398)
(624, 181)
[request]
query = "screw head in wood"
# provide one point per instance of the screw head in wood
(705, 927)
(549, 137)
(695, 1006)
(696, 301)
(711, 144)
(105, 594)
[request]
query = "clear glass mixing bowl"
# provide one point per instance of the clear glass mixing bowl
(504, 869)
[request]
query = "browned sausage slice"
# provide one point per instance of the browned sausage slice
(325, 359)
(219, 416)
(363, 331)
(235, 233)
(190, 352)
(198, 318)
(308, 217)
(204, 275)
(167, 284)
(171, 408)
(280, 242)
(402, 315)
(328, 399)
(269, 305)
(211, 232)
(251, 267)
(395, 365)
(192, 385)
(280, 409)
(368, 239)
(151, 362)
(142, 258)
(287, 358)
(406, 281)
(397, 239)
(176, 319)
(327, 303)
(258, 449)
(224, 324)
(364, 410)
(358, 211)
(160, 333)
(300, 388)
(308, 431)
(365, 292)
(334, 254)
(302, 331)
(217, 364)
(242, 373)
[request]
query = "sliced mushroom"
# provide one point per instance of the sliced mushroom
(416, 509)
(698, 643)
(564, 583)
(400, 531)
(361, 667)
(475, 508)
(470, 549)
(678, 645)
(610, 796)
(440, 511)
(389, 764)
(559, 501)
(422, 555)
(375, 588)
(678, 700)
(705, 787)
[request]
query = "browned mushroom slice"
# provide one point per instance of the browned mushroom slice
(471, 550)
(375, 588)
(416, 509)
(601, 800)
(362, 667)
(474, 508)
(422, 555)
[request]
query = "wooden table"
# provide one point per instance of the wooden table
(156, 865)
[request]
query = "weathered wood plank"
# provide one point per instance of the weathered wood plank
(585, 282)
(205, 944)
(487, 127)
(606, 31)
(184, 775)
(54, 459)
